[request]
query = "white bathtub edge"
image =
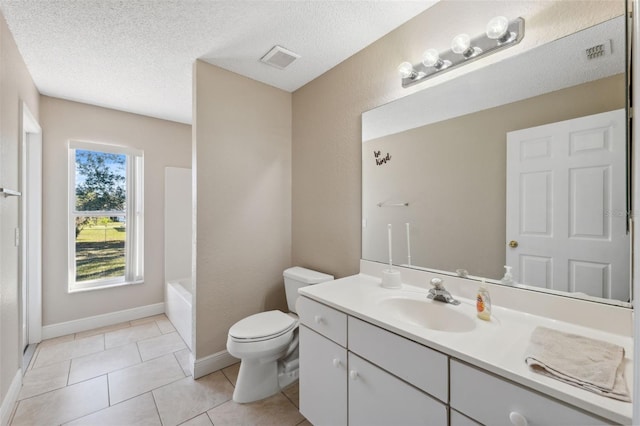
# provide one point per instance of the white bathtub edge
(179, 310)
(183, 291)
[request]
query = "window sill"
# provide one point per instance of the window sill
(99, 285)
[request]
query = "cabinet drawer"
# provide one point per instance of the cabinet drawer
(416, 364)
(323, 319)
(491, 400)
(378, 398)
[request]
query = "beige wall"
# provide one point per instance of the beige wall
(16, 86)
(454, 174)
(326, 113)
(164, 143)
(242, 142)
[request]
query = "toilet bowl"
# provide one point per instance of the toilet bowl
(267, 343)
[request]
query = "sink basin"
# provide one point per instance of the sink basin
(429, 314)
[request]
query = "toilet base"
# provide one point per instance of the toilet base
(258, 380)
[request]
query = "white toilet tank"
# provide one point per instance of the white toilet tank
(297, 277)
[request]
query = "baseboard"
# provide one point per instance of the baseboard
(9, 401)
(211, 363)
(89, 323)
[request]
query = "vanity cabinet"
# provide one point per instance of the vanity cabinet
(361, 381)
(356, 373)
(491, 400)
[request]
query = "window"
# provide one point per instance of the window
(106, 216)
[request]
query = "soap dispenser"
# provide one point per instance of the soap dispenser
(508, 278)
(483, 302)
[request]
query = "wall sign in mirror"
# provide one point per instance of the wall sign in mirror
(380, 159)
(524, 173)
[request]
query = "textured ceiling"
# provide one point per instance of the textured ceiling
(137, 55)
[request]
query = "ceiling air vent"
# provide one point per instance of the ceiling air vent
(279, 57)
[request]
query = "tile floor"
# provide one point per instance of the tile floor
(136, 373)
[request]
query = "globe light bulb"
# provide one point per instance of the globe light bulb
(498, 29)
(406, 70)
(431, 58)
(461, 43)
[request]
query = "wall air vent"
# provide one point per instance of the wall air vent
(279, 57)
(599, 50)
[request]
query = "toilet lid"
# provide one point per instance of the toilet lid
(264, 324)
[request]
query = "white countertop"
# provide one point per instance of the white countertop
(497, 346)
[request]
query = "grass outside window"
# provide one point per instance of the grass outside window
(100, 250)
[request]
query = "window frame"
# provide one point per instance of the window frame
(133, 214)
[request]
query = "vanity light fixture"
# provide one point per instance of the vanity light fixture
(500, 33)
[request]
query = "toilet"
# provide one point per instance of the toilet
(267, 343)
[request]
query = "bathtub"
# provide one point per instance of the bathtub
(178, 307)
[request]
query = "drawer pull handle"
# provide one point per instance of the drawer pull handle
(336, 362)
(353, 374)
(517, 419)
(318, 319)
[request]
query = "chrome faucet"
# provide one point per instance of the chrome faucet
(439, 293)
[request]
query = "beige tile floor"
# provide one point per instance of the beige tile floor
(136, 373)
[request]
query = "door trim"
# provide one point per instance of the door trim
(31, 223)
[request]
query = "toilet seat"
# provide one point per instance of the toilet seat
(262, 326)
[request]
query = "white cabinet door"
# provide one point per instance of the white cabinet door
(323, 379)
(379, 398)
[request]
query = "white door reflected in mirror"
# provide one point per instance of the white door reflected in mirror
(564, 180)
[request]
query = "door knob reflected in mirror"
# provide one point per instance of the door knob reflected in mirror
(513, 244)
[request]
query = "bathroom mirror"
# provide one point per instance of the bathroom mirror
(520, 163)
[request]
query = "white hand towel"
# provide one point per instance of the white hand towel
(587, 363)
